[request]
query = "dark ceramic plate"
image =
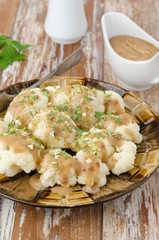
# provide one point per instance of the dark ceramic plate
(146, 162)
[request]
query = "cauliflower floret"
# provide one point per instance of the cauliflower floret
(25, 105)
(18, 153)
(123, 158)
(123, 125)
(58, 167)
(114, 103)
(129, 132)
(98, 142)
(80, 103)
(55, 128)
(93, 171)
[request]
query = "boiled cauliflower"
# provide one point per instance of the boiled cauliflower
(55, 128)
(80, 103)
(18, 152)
(58, 167)
(123, 158)
(93, 171)
(25, 105)
(114, 103)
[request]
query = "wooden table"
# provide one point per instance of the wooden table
(133, 216)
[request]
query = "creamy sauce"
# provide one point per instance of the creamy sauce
(91, 170)
(21, 143)
(35, 182)
(62, 165)
(79, 100)
(58, 131)
(133, 48)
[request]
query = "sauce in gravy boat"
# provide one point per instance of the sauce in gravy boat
(135, 75)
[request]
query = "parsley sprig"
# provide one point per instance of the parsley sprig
(11, 51)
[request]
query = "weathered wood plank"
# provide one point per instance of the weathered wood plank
(136, 215)
(40, 223)
(81, 223)
(7, 15)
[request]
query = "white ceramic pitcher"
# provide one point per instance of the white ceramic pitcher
(66, 21)
(135, 75)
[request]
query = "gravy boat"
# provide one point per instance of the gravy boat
(135, 75)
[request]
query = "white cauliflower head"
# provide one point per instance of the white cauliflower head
(58, 167)
(25, 105)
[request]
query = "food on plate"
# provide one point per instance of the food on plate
(19, 151)
(110, 148)
(79, 102)
(24, 106)
(113, 103)
(123, 125)
(68, 135)
(123, 158)
(93, 171)
(55, 128)
(59, 167)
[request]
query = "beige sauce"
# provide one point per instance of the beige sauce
(35, 182)
(133, 48)
(20, 143)
(62, 166)
(91, 170)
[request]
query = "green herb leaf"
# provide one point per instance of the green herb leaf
(7, 147)
(11, 51)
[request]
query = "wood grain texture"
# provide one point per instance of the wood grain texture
(36, 223)
(131, 217)
(136, 215)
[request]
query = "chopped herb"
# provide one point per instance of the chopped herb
(98, 126)
(46, 91)
(37, 121)
(35, 97)
(57, 165)
(108, 95)
(41, 171)
(64, 154)
(88, 108)
(117, 119)
(100, 115)
(7, 147)
(60, 107)
(27, 130)
(50, 116)
(92, 181)
(31, 114)
(68, 129)
(59, 119)
(97, 135)
(87, 151)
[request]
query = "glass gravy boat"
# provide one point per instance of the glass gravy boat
(135, 75)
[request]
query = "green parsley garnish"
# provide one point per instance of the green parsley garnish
(46, 91)
(100, 115)
(31, 113)
(60, 107)
(117, 119)
(7, 147)
(11, 51)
